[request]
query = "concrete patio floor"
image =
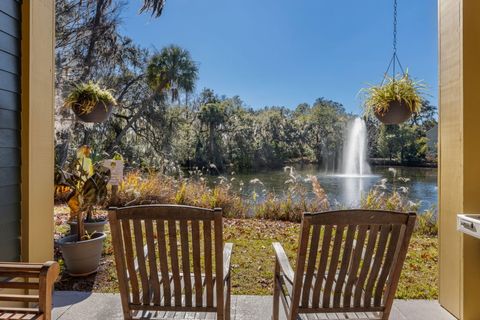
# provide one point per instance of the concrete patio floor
(73, 305)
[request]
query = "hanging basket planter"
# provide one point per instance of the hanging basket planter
(99, 113)
(395, 101)
(90, 103)
(398, 97)
(397, 113)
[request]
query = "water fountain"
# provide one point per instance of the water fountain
(355, 170)
(354, 161)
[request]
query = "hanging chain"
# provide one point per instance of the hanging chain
(394, 37)
(395, 27)
(394, 60)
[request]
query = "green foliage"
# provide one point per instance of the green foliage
(400, 88)
(85, 96)
(180, 195)
(172, 69)
(325, 124)
(161, 123)
(86, 190)
(212, 114)
(155, 6)
(427, 223)
(405, 142)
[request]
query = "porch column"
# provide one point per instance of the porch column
(459, 173)
(37, 100)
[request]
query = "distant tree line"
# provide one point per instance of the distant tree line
(411, 143)
(162, 120)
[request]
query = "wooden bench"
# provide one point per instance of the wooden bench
(26, 290)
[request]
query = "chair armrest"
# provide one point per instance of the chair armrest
(227, 255)
(46, 274)
(49, 272)
(49, 269)
(283, 262)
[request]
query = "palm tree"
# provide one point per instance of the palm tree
(171, 69)
(213, 115)
(156, 6)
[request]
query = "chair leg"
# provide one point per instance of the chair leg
(276, 292)
(228, 307)
(386, 315)
(127, 314)
(221, 311)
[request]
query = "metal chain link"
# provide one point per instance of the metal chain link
(394, 60)
(394, 36)
(394, 27)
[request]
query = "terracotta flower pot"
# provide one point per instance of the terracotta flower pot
(398, 112)
(99, 113)
(82, 257)
(90, 227)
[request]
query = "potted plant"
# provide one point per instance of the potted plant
(82, 251)
(90, 102)
(394, 101)
(92, 223)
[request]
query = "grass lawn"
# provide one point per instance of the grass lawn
(253, 259)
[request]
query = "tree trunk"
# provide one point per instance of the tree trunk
(135, 117)
(127, 86)
(211, 143)
(87, 65)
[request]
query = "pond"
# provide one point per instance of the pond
(421, 184)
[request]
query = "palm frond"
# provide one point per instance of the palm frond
(155, 6)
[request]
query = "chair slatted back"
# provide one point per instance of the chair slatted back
(168, 257)
(350, 260)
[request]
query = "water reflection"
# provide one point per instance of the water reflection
(353, 189)
(344, 190)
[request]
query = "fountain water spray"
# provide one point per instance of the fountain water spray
(354, 162)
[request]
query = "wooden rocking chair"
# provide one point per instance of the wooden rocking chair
(156, 247)
(348, 264)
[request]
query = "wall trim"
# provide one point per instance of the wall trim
(37, 170)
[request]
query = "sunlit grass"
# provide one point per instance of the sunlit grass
(253, 260)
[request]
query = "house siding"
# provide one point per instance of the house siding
(10, 156)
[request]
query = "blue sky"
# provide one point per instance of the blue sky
(285, 52)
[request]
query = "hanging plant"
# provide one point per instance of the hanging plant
(395, 100)
(90, 102)
(399, 96)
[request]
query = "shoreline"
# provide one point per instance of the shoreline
(392, 163)
(300, 165)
